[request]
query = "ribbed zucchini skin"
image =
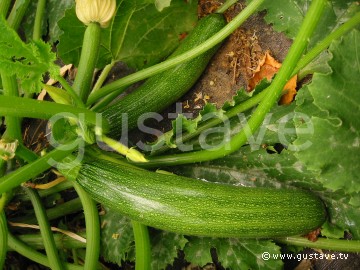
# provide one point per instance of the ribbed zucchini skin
(194, 207)
(165, 88)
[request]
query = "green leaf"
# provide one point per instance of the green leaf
(165, 247)
(197, 250)
(286, 16)
(139, 35)
(27, 61)
(233, 253)
(334, 152)
(117, 239)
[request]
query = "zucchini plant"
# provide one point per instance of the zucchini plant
(226, 204)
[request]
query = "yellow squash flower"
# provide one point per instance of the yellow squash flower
(100, 11)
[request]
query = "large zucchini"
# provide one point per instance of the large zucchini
(165, 88)
(196, 207)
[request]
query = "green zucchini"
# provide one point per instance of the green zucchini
(195, 207)
(165, 88)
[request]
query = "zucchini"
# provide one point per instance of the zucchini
(165, 88)
(195, 207)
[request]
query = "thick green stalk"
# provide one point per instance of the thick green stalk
(78, 102)
(119, 85)
(33, 169)
(312, 17)
(58, 211)
(3, 239)
(23, 249)
(104, 74)
(25, 154)
(142, 246)
(23, 107)
(62, 241)
(92, 228)
(88, 59)
(17, 13)
(322, 243)
(45, 230)
(3, 164)
(40, 10)
(106, 101)
(4, 7)
(13, 124)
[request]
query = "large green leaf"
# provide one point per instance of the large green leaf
(233, 253)
(165, 247)
(117, 239)
(287, 15)
(335, 145)
(139, 35)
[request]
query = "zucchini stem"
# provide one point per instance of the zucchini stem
(142, 246)
(92, 224)
(130, 153)
(3, 238)
(272, 95)
(61, 241)
(40, 10)
(13, 123)
(118, 86)
(21, 107)
(224, 7)
(49, 242)
(4, 7)
(88, 60)
(104, 74)
(322, 243)
(17, 13)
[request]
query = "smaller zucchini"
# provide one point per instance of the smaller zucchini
(194, 207)
(165, 88)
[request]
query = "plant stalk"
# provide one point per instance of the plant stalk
(92, 228)
(4, 7)
(45, 230)
(3, 238)
(224, 7)
(17, 13)
(62, 241)
(58, 211)
(322, 243)
(40, 10)
(142, 246)
(88, 59)
(23, 107)
(13, 124)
